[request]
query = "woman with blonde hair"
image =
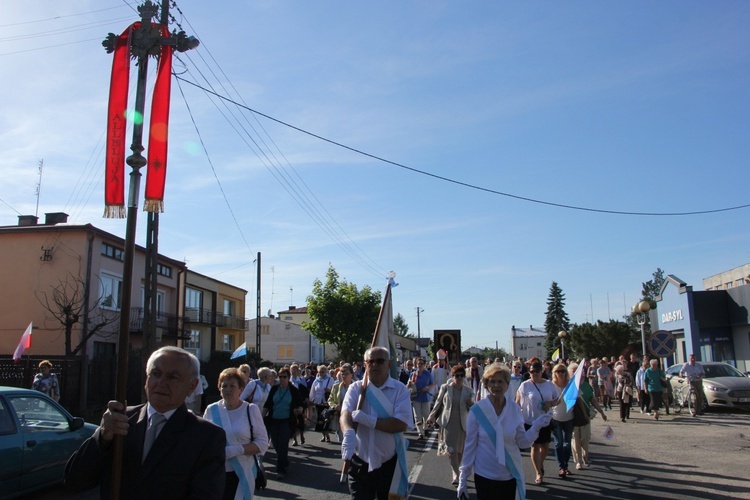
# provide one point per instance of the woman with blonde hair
(320, 391)
(246, 434)
(495, 434)
(450, 411)
(562, 422)
(256, 391)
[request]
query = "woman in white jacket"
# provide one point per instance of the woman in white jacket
(495, 435)
(450, 411)
(246, 434)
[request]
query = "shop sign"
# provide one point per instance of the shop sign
(670, 316)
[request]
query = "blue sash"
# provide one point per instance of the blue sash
(400, 482)
(244, 486)
(509, 463)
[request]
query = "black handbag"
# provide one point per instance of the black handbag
(260, 480)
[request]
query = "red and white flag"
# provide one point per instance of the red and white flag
(24, 344)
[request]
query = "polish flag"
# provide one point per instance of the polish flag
(24, 344)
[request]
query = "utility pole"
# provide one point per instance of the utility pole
(419, 332)
(257, 315)
(145, 41)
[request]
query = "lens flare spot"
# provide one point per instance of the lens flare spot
(134, 117)
(192, 148)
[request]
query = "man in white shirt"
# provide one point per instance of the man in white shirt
(474, 373)
(516, 377)
(694, 372)
(376, 447)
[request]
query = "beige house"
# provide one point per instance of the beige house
(284, 342)
(214, 315)
(42, 264)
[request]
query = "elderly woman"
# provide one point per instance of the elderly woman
(582, 419)
(421, 381)
(450, 411)
(320, 391)
(606, 389)
(536, 397)
(624, 390)
(283, 405)
(562, 422)
(246, 434)
(655, 381)
(495, 434)
(46, 381)
(256, 391)
(336, 399)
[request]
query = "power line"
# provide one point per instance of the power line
(466, 184)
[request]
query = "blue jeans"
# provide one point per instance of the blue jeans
(563, 433)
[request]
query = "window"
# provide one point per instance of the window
(727, 286)
(111, 289)
(228, 307)
(37, 414)
(265, 329)
(194, 340)
(164, 270)
(739, 282)
(227, 342)
(113, 252)
(286, 352)
(7, 424)
(159, 302)
(193, 298)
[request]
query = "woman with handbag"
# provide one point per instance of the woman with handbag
(536, 397)
(336, 399)
(582, 419)
(656, 381)
(319, 393)
(450, 411)
(246, 435)
(283, 405)
(624, 390)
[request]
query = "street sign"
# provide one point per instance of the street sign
(661, 343)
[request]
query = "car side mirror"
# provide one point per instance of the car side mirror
(76, 424)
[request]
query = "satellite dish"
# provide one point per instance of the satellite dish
(268, 313)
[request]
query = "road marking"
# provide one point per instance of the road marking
(413, 476)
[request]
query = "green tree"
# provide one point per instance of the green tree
(610, 338)
(342, 315)
(649, 291)
(557, 319)
(400, 327)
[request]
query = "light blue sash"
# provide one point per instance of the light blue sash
(490, 430)
(247, 491)
(400, 482)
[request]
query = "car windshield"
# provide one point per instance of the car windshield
(713, 371)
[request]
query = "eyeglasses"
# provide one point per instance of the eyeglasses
(459, 375)
(517, 367)
(534, 371)
(283, 376)
(560, 371)
(420, 364)
(376, 361)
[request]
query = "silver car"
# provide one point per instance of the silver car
(724, 385)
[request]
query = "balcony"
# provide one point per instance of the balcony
(213, 318)
(171, 325)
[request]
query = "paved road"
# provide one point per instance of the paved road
(675, 458)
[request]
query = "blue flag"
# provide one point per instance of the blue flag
(570, 393)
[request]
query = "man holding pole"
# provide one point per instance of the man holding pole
(168, 451)
(375, 446)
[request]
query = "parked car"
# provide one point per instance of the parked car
(724, 385)
(37, 436)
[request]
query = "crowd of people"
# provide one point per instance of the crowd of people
(484, 415)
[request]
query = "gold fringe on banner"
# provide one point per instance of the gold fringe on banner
(114, 212)
(154, 206)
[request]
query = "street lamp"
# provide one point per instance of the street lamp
(640, 310)
(562, 336)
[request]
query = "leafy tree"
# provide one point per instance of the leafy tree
(68, 304)
(610, 338)
(649, 291)
(342, 315)
(557, 319)
(400, 327)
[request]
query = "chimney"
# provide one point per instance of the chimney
(52, 218)
(27, 220)
(292, 308)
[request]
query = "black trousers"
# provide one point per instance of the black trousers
(490, 489)
(364, 485)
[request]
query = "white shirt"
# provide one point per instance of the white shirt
(692, 373)
(240, 427)
(260, 395)
(375, 446)
(479, 450)
(319, 386)
(532, 398)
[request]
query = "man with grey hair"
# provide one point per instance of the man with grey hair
(376, 446)
(168, 452)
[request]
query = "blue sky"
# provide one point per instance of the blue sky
(615, 106)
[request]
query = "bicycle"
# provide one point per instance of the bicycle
(684, 397)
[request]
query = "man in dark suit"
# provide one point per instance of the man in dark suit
(168, 452)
